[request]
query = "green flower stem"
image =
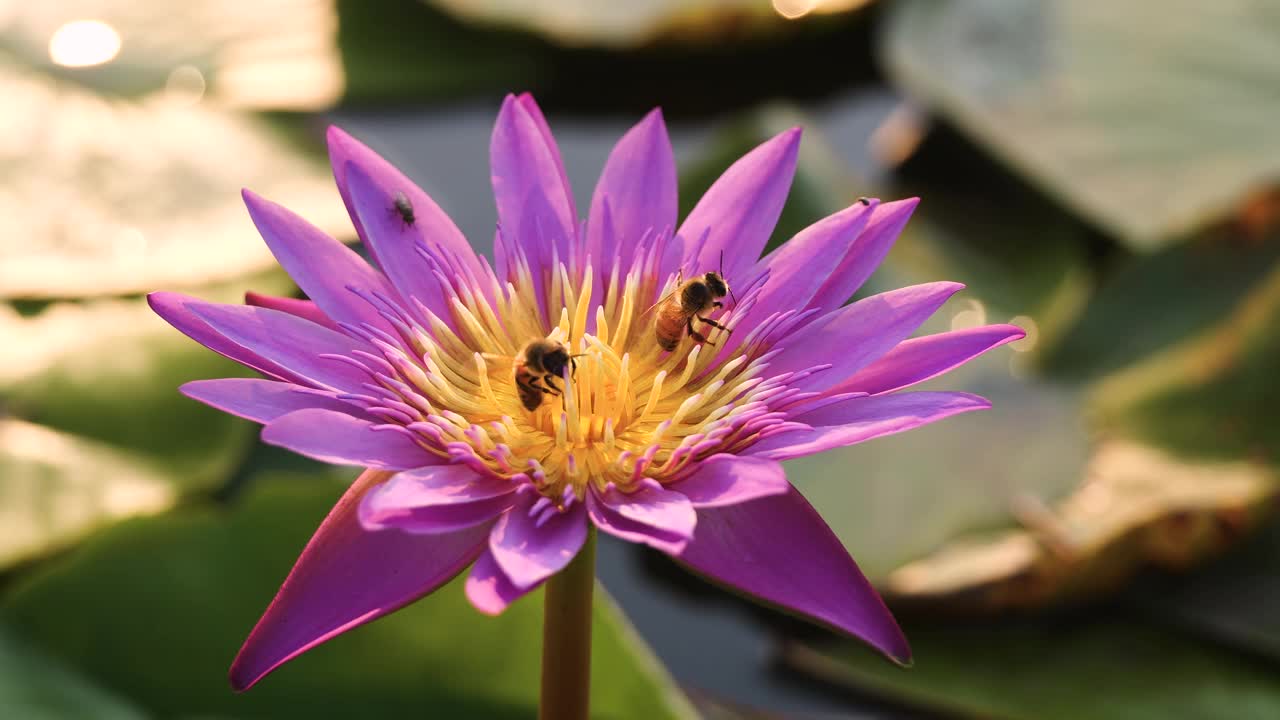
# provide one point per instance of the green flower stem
(566, 638)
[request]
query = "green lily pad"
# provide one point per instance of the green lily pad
(1148, 304)
(95, 428)
(36, 687)
(174, 596)
(1120, 668)
(122, 197)
(1212, 395)
(1150, 123)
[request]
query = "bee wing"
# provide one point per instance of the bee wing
(660, 301)
(679, 282)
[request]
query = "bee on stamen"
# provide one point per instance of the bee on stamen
(402, 207)
(690, 300)
(537, 366)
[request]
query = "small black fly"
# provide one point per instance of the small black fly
(402, 207)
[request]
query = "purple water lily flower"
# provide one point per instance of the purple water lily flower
(409, 367)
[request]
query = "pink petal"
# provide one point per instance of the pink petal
(639, 181)
(533, 198)
(853, 336)
(345, 577)
(530, 106)
(730, 479)
(780, 551)
(323, 267)
(304, 309)
(863, 418)
(176, 309)
(273, 342)
(530, 545)
(919, 359)
(398, 242)
(883, 228)
(346, 152)
(489, 589)
(739, 211)
(800, 266)
(336, 438)
(263, 400)
(651, 515)
(436, 499)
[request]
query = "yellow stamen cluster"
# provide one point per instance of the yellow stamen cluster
(628, 411)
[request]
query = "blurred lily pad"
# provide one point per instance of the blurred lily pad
(1151, 124)
(582, 22)
(94, 427)
(1214, 394)
(1136, 506)
(35, 687)
(273, 54)
(1148, 304)
(106, 196)
(1116, 667)
(1232, 601)
(173, 598)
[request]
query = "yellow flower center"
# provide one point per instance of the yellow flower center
(628, 411)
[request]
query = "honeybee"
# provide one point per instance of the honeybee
(540, 360)
(402, 207)
(689, 300)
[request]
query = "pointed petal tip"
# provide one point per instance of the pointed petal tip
(257, 205)
(1014, 332)
(334, 135)
(969, 401)
(239, 678)
(897, 209)
(789, 139)
(167, 304)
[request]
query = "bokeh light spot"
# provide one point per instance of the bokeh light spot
(84, 43)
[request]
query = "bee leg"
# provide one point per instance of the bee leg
(544, 389)
(530, 385)
(717, 304)
(695, 334)
(714, 324)
(546, 379)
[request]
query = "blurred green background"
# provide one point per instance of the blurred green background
(1102, 544)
